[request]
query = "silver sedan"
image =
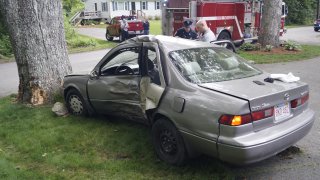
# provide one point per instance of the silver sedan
(197, 97)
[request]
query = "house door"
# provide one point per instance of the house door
(133, 6)
(95, 7)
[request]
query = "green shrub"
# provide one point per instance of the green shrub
(292, 46)
(5, 45)
(150, 17)
(157, 17)
(268, 48)
(247, 47)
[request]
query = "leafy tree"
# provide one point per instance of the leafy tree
(301, 11)
(72, 6)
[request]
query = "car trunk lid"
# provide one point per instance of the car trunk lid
(263, 95)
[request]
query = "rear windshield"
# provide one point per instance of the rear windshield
(205, 65)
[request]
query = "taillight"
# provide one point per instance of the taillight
(300, 101)
(232, 120)
(258, 115)
(237, 120)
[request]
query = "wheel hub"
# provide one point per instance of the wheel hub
(76, 104)
(168, 142)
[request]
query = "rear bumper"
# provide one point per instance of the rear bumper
(136, 33)
(267, 142)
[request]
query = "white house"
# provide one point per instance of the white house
(110, 8)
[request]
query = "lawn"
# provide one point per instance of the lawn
(35, 144)
(96, 44)
(308, 52)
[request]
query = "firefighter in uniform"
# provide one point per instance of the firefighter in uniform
(186, 32)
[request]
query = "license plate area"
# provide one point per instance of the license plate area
(282, 111)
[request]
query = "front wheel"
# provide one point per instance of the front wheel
(168, 142)
(108, 37)
(75, 103)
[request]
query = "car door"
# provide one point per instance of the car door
(153, 83)
(111, 27)
(116, 88)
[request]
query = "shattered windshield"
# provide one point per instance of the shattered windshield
(205, 65)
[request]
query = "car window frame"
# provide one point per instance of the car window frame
(108, 56)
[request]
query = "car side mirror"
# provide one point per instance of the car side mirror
(94, 74)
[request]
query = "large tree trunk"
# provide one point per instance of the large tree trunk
(270, 23)
(38, 39)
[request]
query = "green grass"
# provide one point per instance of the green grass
(35, 144)
(98, 44)
(296, 26)
(308, 52)
(155, 27)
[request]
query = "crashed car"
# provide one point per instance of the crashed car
(197, 98)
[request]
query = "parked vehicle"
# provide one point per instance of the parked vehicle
(114, 27)
(235, 20)
(197, 97)
(317, 25)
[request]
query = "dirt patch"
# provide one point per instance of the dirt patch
(279, 50)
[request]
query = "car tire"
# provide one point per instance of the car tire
(75, 103)
(224, 36)
(168, 142)
(316, 30)
(108, 37)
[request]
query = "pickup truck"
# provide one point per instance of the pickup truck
(114, 30)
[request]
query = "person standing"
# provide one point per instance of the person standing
(206, 35)
(124, 29)
(186, 32)
(146, 27)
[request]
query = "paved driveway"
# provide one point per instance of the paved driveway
(303, 35)
(80, 62)
(304, 165)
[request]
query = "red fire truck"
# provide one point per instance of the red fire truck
(234, 20)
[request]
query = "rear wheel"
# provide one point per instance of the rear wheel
(224, 36)
(168, 142)
(108, 37)
(316, 29)
(75, 103)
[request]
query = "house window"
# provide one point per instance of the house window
(157, 5)
(126, 6)
(104, 6)
(114, 6)
(144, 5)
(120, 6)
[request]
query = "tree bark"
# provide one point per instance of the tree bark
(38, 39)
(270, 23)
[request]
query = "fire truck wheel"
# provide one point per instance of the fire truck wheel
(224, 36)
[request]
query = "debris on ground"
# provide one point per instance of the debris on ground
(59, 109)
